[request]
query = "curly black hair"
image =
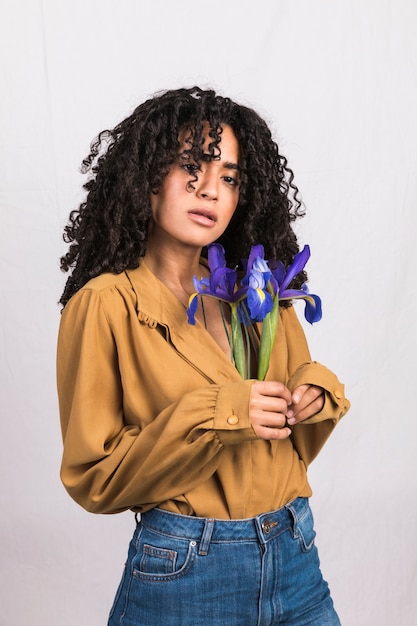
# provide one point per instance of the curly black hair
(108, 232)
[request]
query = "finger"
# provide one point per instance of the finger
(272, 389)
(311, 410)
(306, 411)
(264, 419)
(270, 404)
(303, 396)
(299, 393)
(263, 432)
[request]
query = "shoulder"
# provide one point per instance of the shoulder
(105, 294)
(118, 295)
(106, 281)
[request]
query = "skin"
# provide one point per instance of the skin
(189, 214)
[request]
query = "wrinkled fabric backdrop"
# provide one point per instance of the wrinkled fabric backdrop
(337, 81)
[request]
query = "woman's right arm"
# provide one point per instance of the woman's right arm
(111, 463)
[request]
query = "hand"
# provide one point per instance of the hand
(268, 406)
(306, 401)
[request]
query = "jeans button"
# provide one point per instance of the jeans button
(268, 526)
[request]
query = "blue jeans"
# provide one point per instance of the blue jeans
(191, 571)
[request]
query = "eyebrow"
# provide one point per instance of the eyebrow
(227, 165)
(232, 166)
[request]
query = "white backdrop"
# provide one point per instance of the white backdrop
(337, 80)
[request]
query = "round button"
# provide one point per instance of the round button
(268, 525)
(338, 393)
(232, 420)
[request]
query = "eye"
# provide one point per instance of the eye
(190, 168)
(230, 180)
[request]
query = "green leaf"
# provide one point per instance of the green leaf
(269, 329)
(237, 341)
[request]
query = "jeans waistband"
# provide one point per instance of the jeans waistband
(205, 530)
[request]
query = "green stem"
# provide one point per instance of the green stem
(237, 341)
(252, 337)
(269, 329)
(247, 351)
(226, 329)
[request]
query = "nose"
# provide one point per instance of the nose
(207, 184)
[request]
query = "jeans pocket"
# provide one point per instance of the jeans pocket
(304, 529)
(161, 557)
(157, 560)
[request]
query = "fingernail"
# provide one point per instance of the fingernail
(291, 420)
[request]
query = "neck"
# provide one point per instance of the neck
(174, 269)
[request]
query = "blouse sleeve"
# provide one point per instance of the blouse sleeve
(310, 436)
(110, 465)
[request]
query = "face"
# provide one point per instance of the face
(195, 205)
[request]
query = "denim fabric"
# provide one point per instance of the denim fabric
(189, 571)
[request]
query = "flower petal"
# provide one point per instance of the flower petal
(216, 256)
(289, 294)
(201, 285)
(222, 283)
(255, 252)
(278, 272)
(312, 311)
(192, 308)
(260, 265)
(259, 304)
(256, 280)
(296, 266)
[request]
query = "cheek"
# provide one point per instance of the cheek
(233, 206)
(160, 203)
(168, 197)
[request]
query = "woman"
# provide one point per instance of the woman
(155, 416)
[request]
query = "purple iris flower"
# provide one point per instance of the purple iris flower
(257, 278)
(220, 285)
(282, 277)
(254, 299)
(259, 300)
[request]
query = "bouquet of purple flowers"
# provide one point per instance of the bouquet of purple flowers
(253, 298)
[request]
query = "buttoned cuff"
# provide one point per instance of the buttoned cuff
(335, 403)
(231, 419)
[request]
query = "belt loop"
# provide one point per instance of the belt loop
(206, 537)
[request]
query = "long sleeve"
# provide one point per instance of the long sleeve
(118, 451)
(309, 436)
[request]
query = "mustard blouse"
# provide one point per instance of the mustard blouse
(135, 381)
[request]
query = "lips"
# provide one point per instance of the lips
(203, 217)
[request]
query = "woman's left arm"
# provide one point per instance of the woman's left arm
(318, 397)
